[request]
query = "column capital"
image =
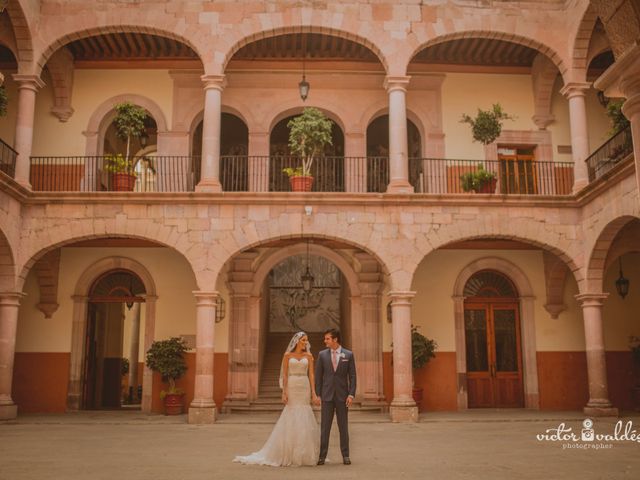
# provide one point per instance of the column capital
(401, 296)
(392, 82)
(206, 298)
(32, 82)
(218, 82)
(591, 299)
(11, 298)
(575, 89)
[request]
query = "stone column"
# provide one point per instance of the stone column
(210, 171)
(258, 161)
(203, 407)
(398, 157)
(28, 85)
(355, 162)
(76, 357)
(575, 92)
(150, 302)
(403, 407)
(9, 303)
(599, 404)
(134, 350)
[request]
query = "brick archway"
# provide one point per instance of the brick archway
(22, 32)
(80, 303)
(260, 34)
(530, 42)
(597, 258)
(168, 32)
(247, 274)
(527, 322)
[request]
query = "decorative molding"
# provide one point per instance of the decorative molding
(47, 270)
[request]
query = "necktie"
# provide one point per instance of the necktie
(334, 359)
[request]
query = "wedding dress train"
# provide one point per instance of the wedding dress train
(295, 439)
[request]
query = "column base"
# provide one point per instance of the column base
(399, 186)
(209, 186)
(202, 415)
(600, 411)
(8, 412)
(403, 414)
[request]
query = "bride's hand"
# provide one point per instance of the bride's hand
(315, 400)
(284, 398)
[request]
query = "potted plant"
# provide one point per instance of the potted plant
(129, 123)
(487, 125)
(4, 101)
(479, 180)
(167, 358)
(423, 350)
(618, 121)
(309, 133)
(634, 345)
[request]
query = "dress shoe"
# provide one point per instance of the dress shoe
(320, 461)
(346, 460)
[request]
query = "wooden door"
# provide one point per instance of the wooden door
(493, 351)
(518, 174)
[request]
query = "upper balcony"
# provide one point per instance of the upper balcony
(379, 116)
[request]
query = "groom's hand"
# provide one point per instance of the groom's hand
(349, 401)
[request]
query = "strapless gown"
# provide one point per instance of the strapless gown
(295, 438)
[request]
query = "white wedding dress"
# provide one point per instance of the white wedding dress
(295, 439)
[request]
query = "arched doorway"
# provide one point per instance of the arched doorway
(378, 153)
(289, 309)
(328, 171)
(112, 372)
(268, 304)
(492, 341)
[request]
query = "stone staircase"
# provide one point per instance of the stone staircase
(269, 393)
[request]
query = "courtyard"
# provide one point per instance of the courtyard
(475, 445)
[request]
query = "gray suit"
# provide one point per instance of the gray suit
(334, 388)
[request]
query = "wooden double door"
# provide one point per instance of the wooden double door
(493, 354)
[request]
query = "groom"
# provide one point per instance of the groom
(336, 386)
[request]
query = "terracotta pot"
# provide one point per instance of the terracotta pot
(488, 187)
(173, 404)
(301, 184)
(122, 182)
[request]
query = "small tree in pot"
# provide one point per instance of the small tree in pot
(309, 133)
(167, 358)
(423, 349)
(487, 125)
(129, 123)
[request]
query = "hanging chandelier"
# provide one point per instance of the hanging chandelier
(622, 284)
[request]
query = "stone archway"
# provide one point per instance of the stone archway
(80, 306)
(527, 327)
(247, 274)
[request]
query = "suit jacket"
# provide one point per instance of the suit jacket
(336, 385)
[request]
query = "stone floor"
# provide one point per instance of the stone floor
(489, 444)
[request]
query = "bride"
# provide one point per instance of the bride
(295, 439)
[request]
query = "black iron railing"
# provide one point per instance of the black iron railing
(331, 174)
(7, 159)
(610, 153)
(89, 174)
(515, 177)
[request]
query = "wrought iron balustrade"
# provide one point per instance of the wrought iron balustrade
(515, 177)
(90, 174)
(610, 153)
(7, 159)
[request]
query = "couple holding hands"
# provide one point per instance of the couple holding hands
(331, 382)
